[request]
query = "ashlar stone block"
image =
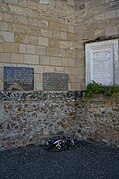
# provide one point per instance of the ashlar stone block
(44, 60)
(22, 48)
(10, 47)
(5, 57)
(31, 49)
(16, 58)
(111, 30)
(7, 17)
(46, 32)
(31, 59)
(8, 36)
(43, 41)
(1, 48)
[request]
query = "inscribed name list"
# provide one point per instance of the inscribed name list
(102, 65)
(55, 82)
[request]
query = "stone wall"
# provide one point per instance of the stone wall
(38, 34)
(31, 118)
(49, 35)
(94, 20)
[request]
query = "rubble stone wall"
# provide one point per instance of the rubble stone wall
(31, 118)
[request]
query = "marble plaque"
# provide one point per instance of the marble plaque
(102, 62)
(18, 78)
(55, 82)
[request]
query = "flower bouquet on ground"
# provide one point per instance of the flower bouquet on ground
(59, 143)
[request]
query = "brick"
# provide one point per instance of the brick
(5, 57)
(31, 59)
(22, 48)
(44, 60)
(16, 58)
(43, 41)
(8, 36)
(30, 49)
(10, 47)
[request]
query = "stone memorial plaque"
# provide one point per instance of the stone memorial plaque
(18, 78)
(102, 65)
(55, 82)
(102, 62)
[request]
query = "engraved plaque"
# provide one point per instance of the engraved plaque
(18, 78)
(102, 62)
(102, 65)
(55, 82)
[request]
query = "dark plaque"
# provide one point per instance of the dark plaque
(18, 78)
(55, 82)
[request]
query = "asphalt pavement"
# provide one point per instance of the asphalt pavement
(92, 160)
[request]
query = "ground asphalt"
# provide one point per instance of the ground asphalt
(86, 161)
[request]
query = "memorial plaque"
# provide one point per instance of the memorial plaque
(18, 78)
(102, 62)
(55, 82)
(102, 65)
